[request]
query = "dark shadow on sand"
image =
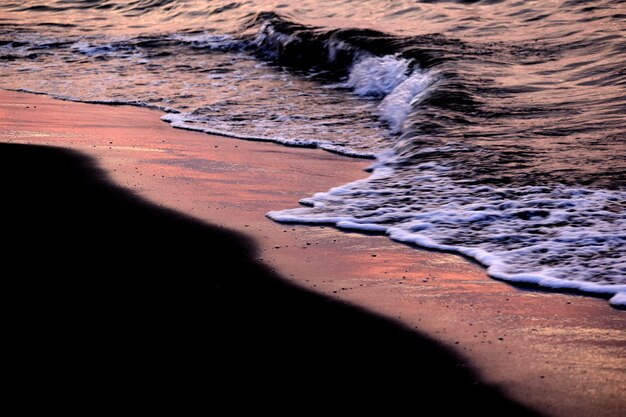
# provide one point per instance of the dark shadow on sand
(116, 298)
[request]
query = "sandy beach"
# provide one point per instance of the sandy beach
(172, 272)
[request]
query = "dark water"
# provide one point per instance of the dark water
(498, 127)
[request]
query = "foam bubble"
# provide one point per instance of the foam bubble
(112, 48)
(377, 76)
(556, 237)
(389, 77)
(619, 299)
(211, 41)
(397, 105)
(188, 122)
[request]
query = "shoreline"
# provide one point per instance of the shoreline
(557, 353)
(565, 287)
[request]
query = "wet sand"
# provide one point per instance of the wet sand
(293, 301)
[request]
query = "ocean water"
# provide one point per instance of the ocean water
(496, 129)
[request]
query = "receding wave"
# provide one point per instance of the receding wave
(555, 237)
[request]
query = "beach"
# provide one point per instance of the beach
(169, 270)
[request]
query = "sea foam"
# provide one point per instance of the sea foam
(555, 237)
(391, 78)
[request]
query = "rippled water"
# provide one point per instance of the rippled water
(498, 126)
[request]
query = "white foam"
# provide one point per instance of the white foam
(554, 237)
(390, 77)
(377, 76)
(619, 299)
(186, 121)
(397, 105)
(210, 41)
(109, 48)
